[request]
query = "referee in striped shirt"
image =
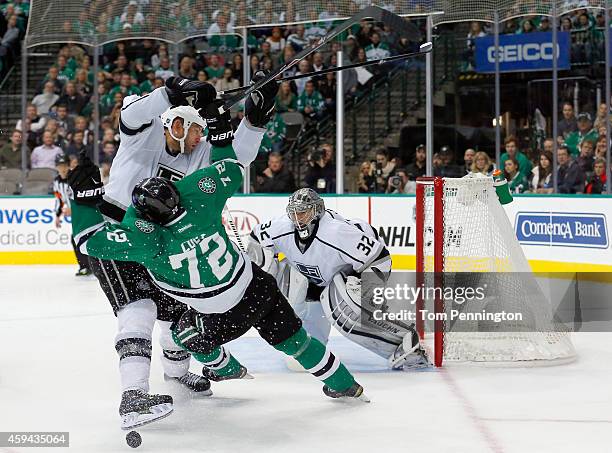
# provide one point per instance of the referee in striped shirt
(61, 189)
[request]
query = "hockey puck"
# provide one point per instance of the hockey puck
(133, 439)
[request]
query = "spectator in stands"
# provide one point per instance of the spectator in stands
(10, 154)
(481, 164)
(585, 132)
(377, 49)
(398, 182)
(276, 178)
(600, 147)
(276, 41)
(52, 127)
(327, 88)
(544, 24)
(596, 183)
(109, 150)
(125, 87)
(273, 139)
(366, 182)
(53, 77)
(220, 26)
(286, 100)
(64, 123)
(44, 101)
(548, 145)
(417, 168)
(383, 169)
(164, 71)
(321, 173)
(526, 27)
(516, 181)
(227, 82)
(34, 125)
(303, 68)
(66, 73)
(570, 177)
(214, 69)
(468, 158)
(131, 15)
(512, 152)
(585, 159)
(541, 174)
(447, 167)
(44, 155)
(568, 123)
(76, 145)
(310, 103)
(10, 40)
(600, 119)
(297, 40)
(81, 81)
(186, 68)
(237, 68)
(73, 101)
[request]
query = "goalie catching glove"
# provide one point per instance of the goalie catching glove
(85, 182)
(259, 106)
(183, 91)
(220, 131)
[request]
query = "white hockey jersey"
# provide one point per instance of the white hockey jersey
(336, 245)
(142, 152)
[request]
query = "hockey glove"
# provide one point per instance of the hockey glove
(187, 332)
(259, 106)
(85, 182)
(183, 91)
(220, 131)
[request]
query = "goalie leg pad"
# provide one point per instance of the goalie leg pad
(344, 312)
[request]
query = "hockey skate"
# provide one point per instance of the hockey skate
(240, 374)
(194, 382)
(138, 408)
(410, 354)
(354, 392)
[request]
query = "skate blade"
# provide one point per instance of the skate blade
(134, 419)
(248, 376)
(354, 399)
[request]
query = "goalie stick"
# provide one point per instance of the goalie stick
(424, 49)
(404, 28)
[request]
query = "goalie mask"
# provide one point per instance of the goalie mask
(188, 114)
(305, 208)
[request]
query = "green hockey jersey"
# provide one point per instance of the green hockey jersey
(191, 259)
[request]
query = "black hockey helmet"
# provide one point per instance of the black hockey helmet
(157, 200)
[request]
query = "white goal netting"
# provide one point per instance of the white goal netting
(479, 250)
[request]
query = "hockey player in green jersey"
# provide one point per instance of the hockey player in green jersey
(175, 231)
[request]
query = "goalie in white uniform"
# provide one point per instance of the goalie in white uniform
(331, 253)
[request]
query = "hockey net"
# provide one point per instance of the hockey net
(464, 238)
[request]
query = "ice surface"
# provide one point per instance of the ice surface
(58, 372)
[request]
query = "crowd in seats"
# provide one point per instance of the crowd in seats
(581, 160)
(59, 116)
(13, 24)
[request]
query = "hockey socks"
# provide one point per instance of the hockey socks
(221, 362)
(317, 360)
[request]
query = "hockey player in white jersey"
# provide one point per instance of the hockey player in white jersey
(332, 253)
(161, 135)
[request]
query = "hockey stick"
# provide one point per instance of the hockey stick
(424, 49)
(405, 29)
(233, 228)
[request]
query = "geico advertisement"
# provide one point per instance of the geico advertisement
(28, 224)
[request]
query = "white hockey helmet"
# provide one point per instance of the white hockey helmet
(188, 114)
